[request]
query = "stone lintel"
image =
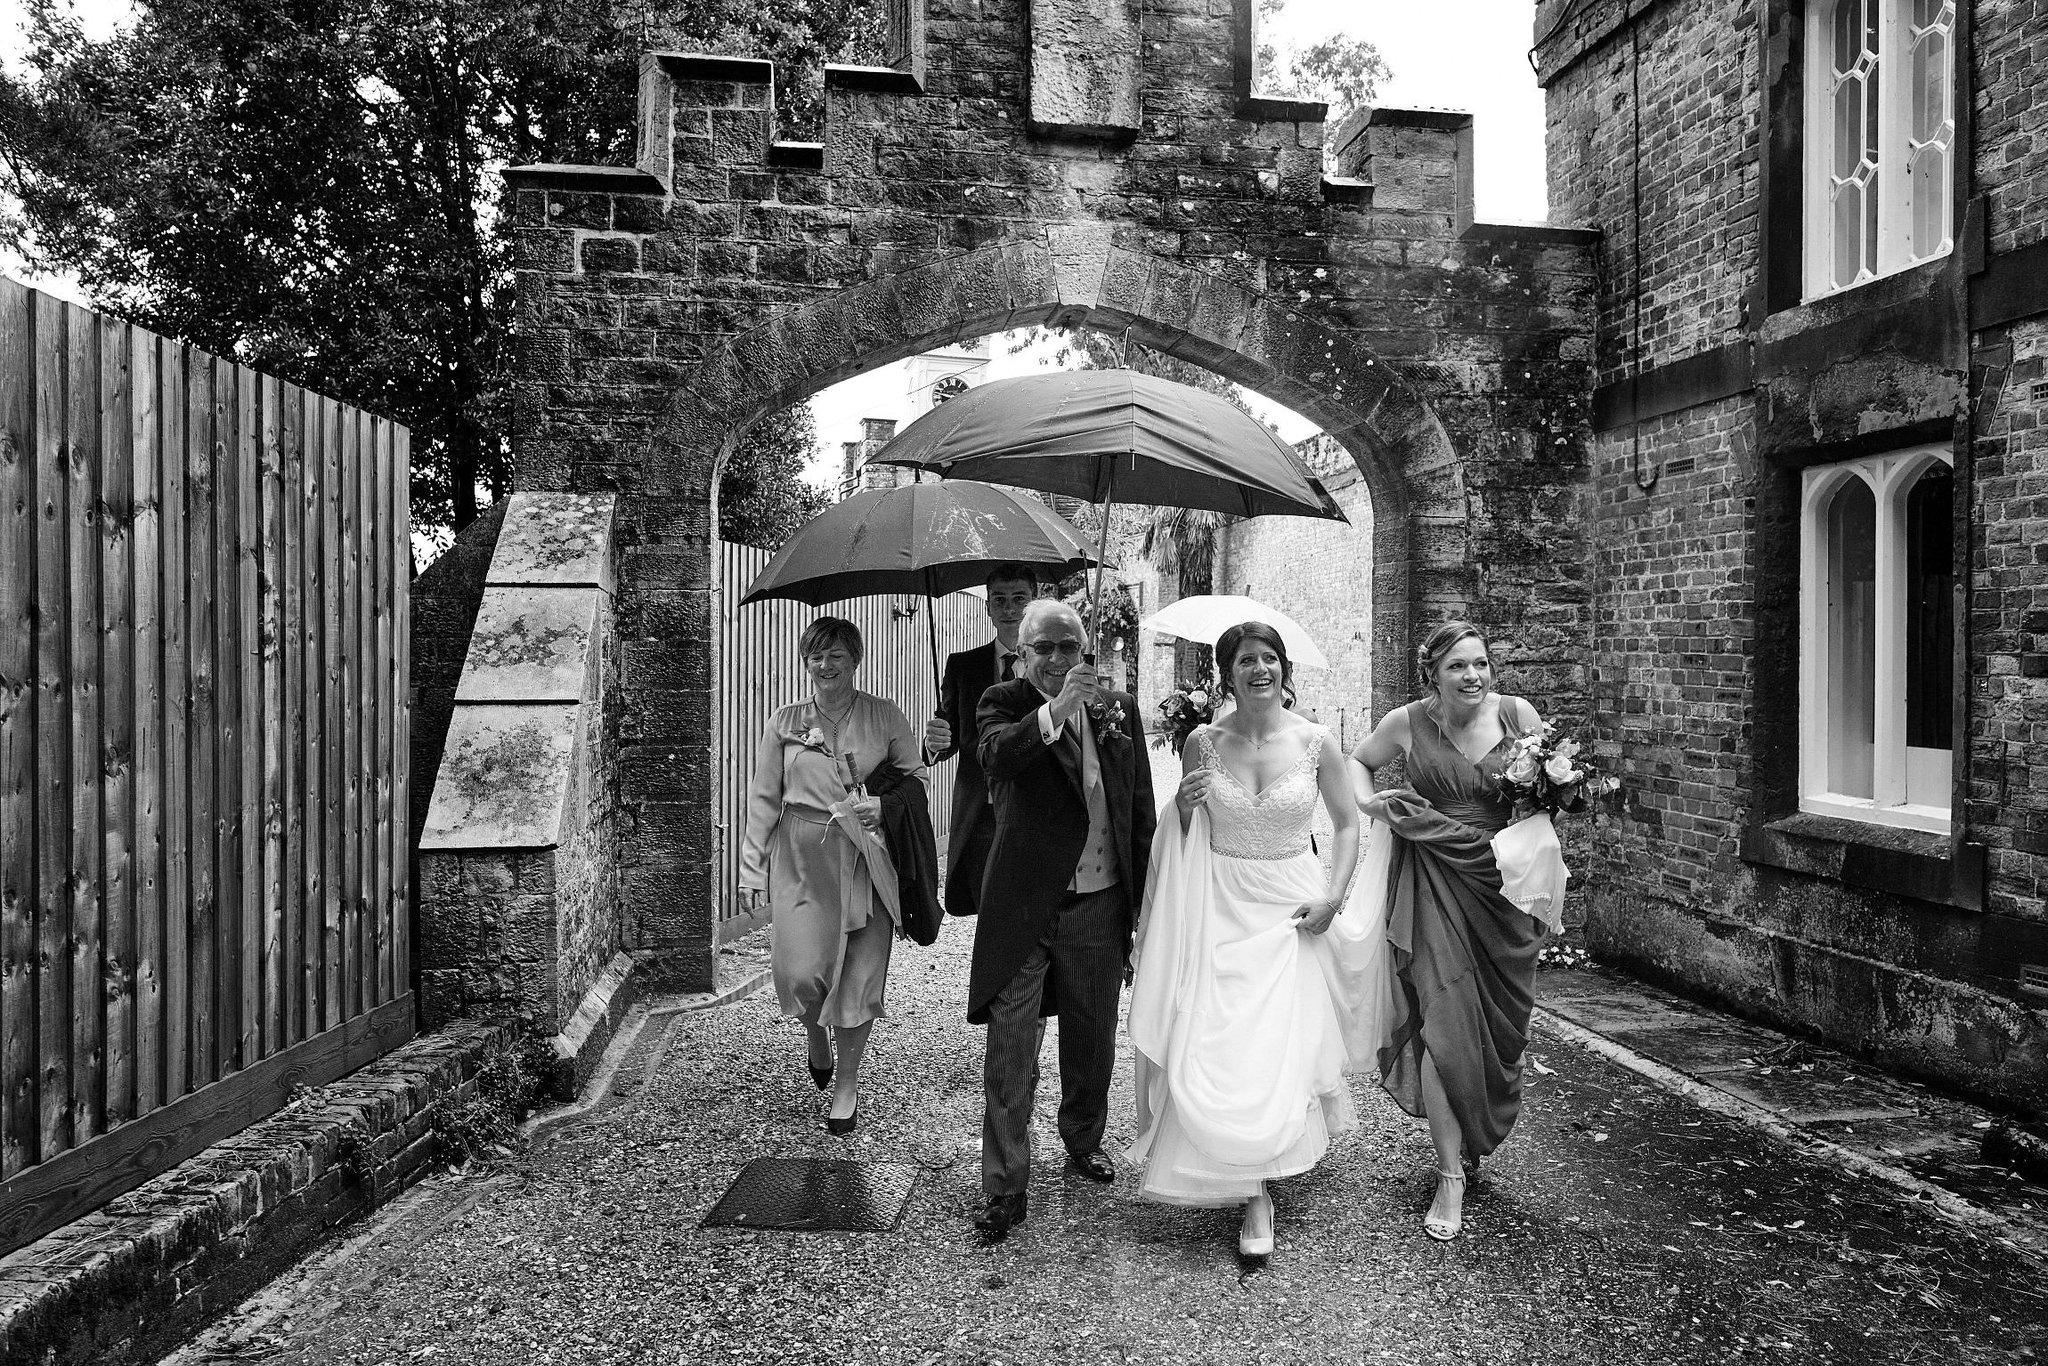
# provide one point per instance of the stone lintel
(555, 538)
(704, 66)
(872, 80)
(1085, 67)
(531, 644)
(505, 775)
(549, 175)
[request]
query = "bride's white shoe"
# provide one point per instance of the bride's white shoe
(1258, 1211)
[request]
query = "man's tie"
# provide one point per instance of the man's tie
(1006, 670)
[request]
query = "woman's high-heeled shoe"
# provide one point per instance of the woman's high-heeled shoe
(820, 1075)
(1443, 1230)
(1250, 1247)
(843, 1126)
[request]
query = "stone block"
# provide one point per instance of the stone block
(531, 644)
(505, 769)
(555, 539)
(1086, 57)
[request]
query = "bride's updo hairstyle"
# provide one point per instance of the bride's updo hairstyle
(1437, 644)
(1233, 640)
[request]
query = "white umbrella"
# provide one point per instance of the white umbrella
(1206, 616)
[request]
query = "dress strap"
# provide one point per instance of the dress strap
(1314, 752)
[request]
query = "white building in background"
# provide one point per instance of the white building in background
(921, 384)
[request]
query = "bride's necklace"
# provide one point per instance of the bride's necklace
(1255, 742)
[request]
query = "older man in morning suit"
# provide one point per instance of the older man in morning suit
(1072, 793)
(969, 673)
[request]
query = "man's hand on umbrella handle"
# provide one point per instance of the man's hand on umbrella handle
(1081, 688)
(938, 735)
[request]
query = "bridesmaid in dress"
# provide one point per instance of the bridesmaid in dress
(811, 855)
(1463, 955)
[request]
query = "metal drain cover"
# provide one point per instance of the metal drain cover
(811, 1195)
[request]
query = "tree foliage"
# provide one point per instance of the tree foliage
(1342, 71)
(314, 187)
(762, 498)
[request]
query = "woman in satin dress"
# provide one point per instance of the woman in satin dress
(1463, 956)
(811, 854)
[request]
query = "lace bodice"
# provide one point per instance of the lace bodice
(1271, 825)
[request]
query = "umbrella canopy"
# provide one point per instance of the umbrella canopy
(1114, 434)
(1206, 616)
(931, 538)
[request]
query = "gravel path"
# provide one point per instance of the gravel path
(1619, 1225)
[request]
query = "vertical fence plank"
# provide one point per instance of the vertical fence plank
(203, 720)
(177, 694)
(117, 714)
(332, 764)
(270, 633)
(292, 666)
(256, 739)
(400, 549)
(147, 842)
(227, 711)
(350, 625)
(377, 528)
(20, 1123)
(53, 736)
(314, 781)
(82, 472)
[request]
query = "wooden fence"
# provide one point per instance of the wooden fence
(203, 751)
(759, 671)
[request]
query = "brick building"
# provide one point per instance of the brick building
(1819, 574)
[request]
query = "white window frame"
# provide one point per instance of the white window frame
(1890, 478)
(1896, 250)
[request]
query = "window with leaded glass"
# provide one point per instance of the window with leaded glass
(1880, 138)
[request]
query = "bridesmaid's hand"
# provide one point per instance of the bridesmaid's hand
(1315, 916)
(868, 811)
(1193, 791)
(753, 898)
(1375, 806)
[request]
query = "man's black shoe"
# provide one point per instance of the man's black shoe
(1095, 1165)
(1000, 1215)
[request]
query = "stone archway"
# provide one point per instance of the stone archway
(665, 306)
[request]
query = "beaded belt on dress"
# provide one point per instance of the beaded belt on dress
(1263, 855)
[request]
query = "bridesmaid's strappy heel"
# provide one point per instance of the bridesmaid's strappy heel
(1443, 1230)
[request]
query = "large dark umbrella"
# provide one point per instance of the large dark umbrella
(1117, 435)
(933, 538)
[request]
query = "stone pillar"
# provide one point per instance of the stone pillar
(519, 906)
(1416, 160)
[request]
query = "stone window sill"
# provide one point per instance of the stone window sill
(1909, 863)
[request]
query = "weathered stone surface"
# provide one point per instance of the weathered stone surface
(1085, 66)
(555, 538)
(504, 773)
(531, 644)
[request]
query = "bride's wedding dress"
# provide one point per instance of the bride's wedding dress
(1244, 1026)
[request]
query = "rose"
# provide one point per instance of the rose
(1199, 698)
(814, 738)
(1522, 769)
(1560, 770)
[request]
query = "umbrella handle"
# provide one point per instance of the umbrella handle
(1101, 559)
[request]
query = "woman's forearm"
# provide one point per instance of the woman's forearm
(1343, 862)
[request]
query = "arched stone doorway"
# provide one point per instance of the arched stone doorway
(664, 307)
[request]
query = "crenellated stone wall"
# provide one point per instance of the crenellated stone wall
(726, 274)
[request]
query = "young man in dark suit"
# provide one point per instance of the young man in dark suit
(1071, 788)
(970, 673)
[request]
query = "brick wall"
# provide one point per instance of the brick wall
(1708, 876)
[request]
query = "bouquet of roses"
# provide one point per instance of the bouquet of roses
(1545, 771)
(1181, 710)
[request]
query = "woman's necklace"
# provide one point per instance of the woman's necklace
(835, 722)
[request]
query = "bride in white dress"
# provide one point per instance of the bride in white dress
(1257, 989)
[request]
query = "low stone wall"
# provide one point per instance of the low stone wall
(132, 1281)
